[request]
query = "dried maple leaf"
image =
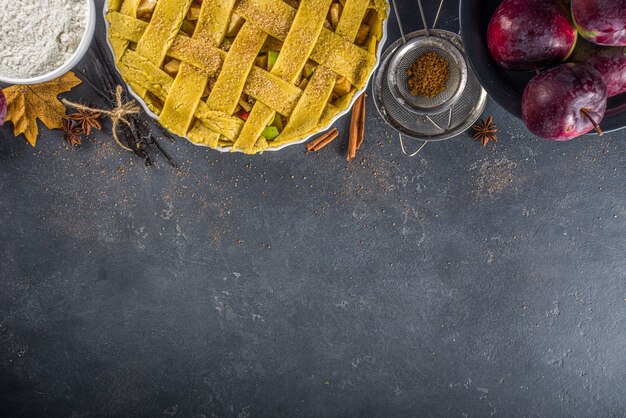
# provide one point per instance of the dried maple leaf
(26, 104)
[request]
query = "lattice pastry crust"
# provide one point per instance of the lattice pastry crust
(245, 74)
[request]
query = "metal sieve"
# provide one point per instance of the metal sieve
(436, 127)
(427, 119)
(411, 51)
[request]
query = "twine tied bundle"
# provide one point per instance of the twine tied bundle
(117, 115)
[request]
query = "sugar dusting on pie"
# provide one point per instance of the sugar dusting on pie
(246, 74)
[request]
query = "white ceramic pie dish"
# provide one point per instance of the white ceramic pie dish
(78, 55)
(303, 140)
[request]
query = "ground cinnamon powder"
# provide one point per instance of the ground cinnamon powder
(428, 75)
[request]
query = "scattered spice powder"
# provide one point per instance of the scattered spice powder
(428, 75)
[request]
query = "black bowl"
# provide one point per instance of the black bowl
(506, 87)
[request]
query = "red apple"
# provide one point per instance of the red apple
(609, 60)
(602, 22)
(529, 34)
(565, 102)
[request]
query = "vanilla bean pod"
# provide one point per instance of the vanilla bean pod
(151, 140)
(93, 86)
(137, 134)
(117, 80)
(109, 80)
(106, 80)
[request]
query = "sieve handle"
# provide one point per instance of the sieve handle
(413, 154)
(424, 21)
(395, 9)
(423, 15)
(438, 14)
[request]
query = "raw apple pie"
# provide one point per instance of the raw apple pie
(246, 74)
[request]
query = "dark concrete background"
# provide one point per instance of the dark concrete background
(465, 282)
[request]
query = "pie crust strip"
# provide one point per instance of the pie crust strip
(309, 111)
(239, 61)
(147, 75)
(261, 85)
(331, 50)
(351, 18)
(296, 50)
(190, 83)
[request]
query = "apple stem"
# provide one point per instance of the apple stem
(595, 124)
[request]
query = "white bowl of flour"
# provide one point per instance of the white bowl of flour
(41, 40)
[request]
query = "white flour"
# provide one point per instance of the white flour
(39, 36)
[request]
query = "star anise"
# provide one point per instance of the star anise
(87, 120)
(72, 132)
(485, 131)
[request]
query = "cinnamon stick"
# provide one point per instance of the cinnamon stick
(357, 127)
(321, 142)
(362, 123)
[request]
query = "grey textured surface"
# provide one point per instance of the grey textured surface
(465, 282)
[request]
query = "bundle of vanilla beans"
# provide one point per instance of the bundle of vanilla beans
(135, 133)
